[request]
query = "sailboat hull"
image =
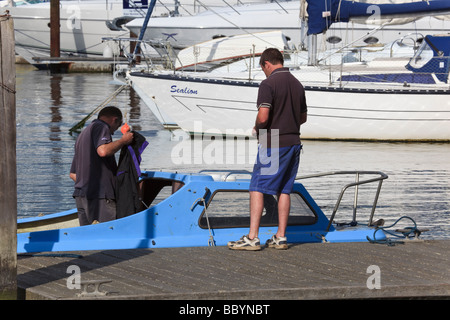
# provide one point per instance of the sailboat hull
(222, 107)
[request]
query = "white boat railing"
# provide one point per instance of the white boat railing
(164, 54)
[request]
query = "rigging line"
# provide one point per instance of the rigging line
(165, 7)
(63, 50)
(233, 24)
(338, 12)
(28, 36)
(80, 124)
(177, 4)
(280, 6)
(159, 111)
(326, 10)
(231, 7)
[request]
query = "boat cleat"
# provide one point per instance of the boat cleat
(411, 233)
(85, 285)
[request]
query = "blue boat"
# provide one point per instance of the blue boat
(182, 210)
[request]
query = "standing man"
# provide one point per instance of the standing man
(94, 167)
(281, 110)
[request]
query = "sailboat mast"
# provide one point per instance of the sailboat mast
(144, 26)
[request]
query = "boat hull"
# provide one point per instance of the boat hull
(82, 26)
(222, 107)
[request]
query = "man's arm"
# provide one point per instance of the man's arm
(303, 117)
(109, 149)
(72, 173)
(262, 118)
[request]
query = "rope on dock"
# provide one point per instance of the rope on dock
(80, 125)
(409, 231)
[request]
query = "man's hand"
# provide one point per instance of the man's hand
(109, 149)
(254, 133)
(127, 138)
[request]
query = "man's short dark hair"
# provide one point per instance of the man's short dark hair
(110, 111)
(273, 55)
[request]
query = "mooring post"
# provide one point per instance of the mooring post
(8, 174)
(54, 29)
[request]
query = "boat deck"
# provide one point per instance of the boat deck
(414, 269)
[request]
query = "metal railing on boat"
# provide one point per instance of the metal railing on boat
(381, 176)
(226, 173)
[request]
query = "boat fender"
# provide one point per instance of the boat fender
(125, 128)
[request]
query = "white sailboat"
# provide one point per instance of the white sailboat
(187, 30)
(82, 26)
(211, 54)
(183, 31)
(384, 99)
(85, 22)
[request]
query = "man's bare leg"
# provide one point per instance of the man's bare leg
(284, 206)
(256, 210)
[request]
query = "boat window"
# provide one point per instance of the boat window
(228, 209)
(422, 56)
(153, 191)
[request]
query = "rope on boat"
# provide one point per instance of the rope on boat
(405, 234)
(211, 241)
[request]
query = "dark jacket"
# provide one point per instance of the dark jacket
(128, 200)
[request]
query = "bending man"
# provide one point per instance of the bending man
(94, 167)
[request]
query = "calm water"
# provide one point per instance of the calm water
(49, 105)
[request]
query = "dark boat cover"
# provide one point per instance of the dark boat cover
(128, 199)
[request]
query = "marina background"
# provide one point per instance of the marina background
(49, 105)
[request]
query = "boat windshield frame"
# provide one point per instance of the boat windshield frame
(269, 218)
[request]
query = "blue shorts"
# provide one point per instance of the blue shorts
(275, 169)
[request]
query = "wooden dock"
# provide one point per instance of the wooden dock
(77, 64)
(414, 269)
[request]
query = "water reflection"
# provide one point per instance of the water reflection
(135, 110)
(56, 118)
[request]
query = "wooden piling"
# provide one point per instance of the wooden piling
(8, 175)
(54, 29)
